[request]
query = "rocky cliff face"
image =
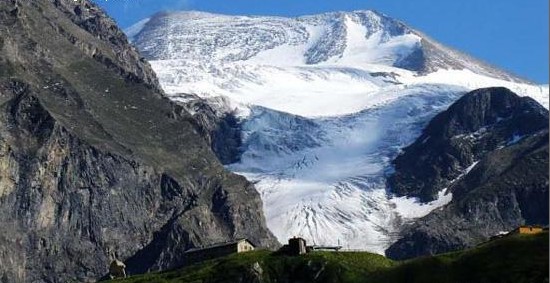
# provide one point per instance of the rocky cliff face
(480, 122)
(217, 122)
(93, 158)
(119, 55)
(503, 139)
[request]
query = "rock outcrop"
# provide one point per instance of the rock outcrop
(94, 159)
(500, 142)
(217, 122)
(480, 122)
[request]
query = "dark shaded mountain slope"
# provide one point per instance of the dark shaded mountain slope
(504, 140)
(93, 158)
(478, 123)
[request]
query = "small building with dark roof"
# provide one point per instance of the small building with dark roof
(218, 250)
(297, 246)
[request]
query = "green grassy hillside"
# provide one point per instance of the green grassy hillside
(513, 259)
(520, 258)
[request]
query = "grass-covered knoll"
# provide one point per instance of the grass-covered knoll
(264, 266)
(512, 259)
(519, 258)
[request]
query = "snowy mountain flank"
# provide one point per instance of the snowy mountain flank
(325, 103)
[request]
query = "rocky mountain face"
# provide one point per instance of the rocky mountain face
(126, 60)
(217, 123)
(490, 150)
(480, 122)
(94, 160)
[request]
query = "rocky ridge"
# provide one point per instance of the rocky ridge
(95, 160)
(490, 151)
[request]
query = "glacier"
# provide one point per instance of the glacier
(326, 102)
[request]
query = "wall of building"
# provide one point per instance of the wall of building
(244, 246)
(210, 253)
(530, 230)
(297, 246)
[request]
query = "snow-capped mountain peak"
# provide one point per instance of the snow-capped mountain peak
(326, 102)
(316, 39)
(359, 37)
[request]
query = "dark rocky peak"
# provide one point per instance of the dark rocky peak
(489, 107)
(490, 150)
(91, 18)
(479, 122)
(108, 43)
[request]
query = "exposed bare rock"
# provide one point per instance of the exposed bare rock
(93, 159)
(500, 142)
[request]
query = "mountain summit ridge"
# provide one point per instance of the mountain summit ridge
(258, 59)
(425, 55)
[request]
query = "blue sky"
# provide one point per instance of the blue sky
(511, 34)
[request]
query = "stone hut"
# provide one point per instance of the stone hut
(297, 246)
(117, 269)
